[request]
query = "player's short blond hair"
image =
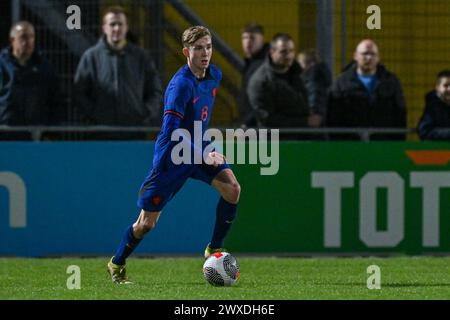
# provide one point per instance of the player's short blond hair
(192, 34)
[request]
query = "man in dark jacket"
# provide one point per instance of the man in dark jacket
(317, 78)
(29, 90)
(276, 90)
(255, 51)
(116, 82)
(435, 121)
(366, 94)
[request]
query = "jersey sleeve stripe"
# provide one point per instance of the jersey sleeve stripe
(175, 113)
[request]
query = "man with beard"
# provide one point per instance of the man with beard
(276, 90)
(435, 121)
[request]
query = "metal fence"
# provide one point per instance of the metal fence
(155, 25)
(413, 38)
(413, 42)
(64, 47)
(39, 133)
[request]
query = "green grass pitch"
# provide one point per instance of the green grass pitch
(260, 278)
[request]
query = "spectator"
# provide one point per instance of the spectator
(366, 94)
(255, 50)
(29, 90)
(116, 82)
(317, 78)
(276, 90)
(435, 121)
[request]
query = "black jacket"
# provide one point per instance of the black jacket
(349, 103)
(317, 81)
(279, 100)
(435, 121)
(251, 64)
(30, 94)
(118, 88)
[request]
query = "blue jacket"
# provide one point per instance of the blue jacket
(29, 94)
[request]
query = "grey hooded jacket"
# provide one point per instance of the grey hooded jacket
(118, 87)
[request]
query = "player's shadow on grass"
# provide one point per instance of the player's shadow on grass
(186, 283)
(200, 284)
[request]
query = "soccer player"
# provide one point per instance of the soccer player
(189, 97)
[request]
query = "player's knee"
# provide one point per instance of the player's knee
(148, 225)
(233, 192)
(145, 226)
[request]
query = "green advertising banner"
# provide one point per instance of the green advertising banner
(337, 198)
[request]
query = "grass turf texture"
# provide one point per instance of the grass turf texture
(260, 278)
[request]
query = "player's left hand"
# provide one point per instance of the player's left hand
(215, 159)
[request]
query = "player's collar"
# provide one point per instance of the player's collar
(208, 75)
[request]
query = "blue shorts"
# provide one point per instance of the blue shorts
(161, 186)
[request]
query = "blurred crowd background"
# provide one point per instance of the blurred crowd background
(413, 42)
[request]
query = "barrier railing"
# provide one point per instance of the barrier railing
(364, 133)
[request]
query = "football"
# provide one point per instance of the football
(221, 269)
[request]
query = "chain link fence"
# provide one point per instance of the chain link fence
(413, 39)
(413, 42)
